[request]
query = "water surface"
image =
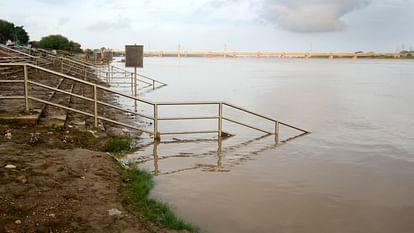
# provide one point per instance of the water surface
(354, 173)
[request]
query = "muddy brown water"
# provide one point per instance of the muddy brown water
(354, 173)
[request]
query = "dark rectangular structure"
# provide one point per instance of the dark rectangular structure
(134, 56)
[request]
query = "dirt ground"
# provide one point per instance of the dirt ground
(54, 180)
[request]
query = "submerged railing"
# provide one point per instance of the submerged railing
(155, 132)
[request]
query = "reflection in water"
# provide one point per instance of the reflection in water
(155, 156)
(219, 153)
(218, 166)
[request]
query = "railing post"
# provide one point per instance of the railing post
(61, 66)
(26, 89)
(109, 72)
(135, 87)
(220, 120)
(84, 70)
(132, 84)
(112, 72)
(277, 126)
(153, 84)
(155, 156)
(95, 102)
(157, 136)
(219, 153)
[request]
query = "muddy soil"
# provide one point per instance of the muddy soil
(56, 181)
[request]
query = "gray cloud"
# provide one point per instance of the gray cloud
(55, 3)
(225, 12)
(64, 20)
(310, 15)
(102, 25)
(221, 3)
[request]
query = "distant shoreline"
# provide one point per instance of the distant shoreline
(276, 54)
(313, 57)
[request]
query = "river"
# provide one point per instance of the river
(353, 173)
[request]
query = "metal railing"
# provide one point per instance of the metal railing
(80, 68)
(108, 73)
(84, 68)
(26, 82)
(155, 132)
(15, 51)
(21, 56)
(220, 117)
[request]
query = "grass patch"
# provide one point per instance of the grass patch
(118, 143)
(85, 139)
(56, 128)
(138, 185)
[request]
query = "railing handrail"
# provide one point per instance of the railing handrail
(190, 103)
(141, 75)
(154, 80)
(231, 106)
(79, 69)
(19, 52)
(27, 97)
(76, 61)
(78, 80)
(81, 61)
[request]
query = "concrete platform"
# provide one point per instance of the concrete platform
(55, 120)
(31, 118)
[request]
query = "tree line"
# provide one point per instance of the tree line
(8, 31)
(18, 35)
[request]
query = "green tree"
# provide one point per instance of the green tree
(14, 33)
(59, 42)
(21, 35)
(75, 47)
(6, 31)
(34, 43)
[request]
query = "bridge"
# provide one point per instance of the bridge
(276, 54)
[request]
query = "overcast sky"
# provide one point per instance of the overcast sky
(289, 25)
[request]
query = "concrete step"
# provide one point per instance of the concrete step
(31, 118)
(54, 116)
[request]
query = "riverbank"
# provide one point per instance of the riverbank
(61, 181)
(59, 177)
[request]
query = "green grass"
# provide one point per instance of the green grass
(138, 185)
(118, 144)
(56, 128)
